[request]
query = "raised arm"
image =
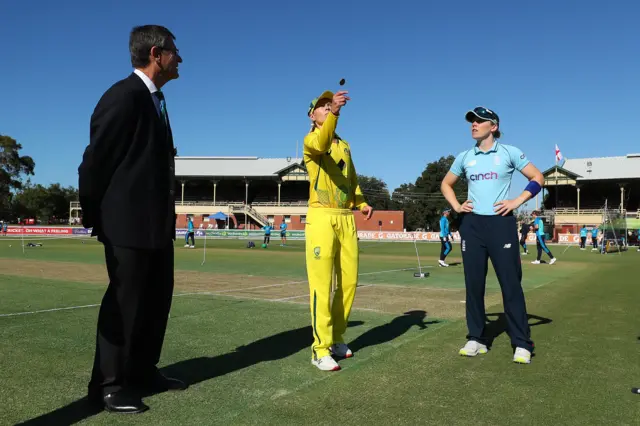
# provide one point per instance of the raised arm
(318, 143)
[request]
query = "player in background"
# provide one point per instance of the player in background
(524, 232)
(267, 233)
(283, 233)
(190, 233)
(330, 230)
(583, 237)
(594, 238)
(445, 233)
(489, 230)
(538, 226)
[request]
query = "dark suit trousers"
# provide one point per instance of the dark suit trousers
(133, 316)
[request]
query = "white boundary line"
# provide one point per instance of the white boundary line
(49, 310)
(210, 293)
(307, 295)
(233, 290)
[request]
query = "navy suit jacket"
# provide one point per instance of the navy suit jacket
(127, 175)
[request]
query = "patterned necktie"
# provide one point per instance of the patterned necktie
(163, 107)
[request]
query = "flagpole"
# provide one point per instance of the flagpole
(557, 176)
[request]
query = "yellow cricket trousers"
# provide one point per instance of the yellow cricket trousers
(331, 240)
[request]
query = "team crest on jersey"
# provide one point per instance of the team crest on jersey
(316, 252)
(496, 160)
(471, 163)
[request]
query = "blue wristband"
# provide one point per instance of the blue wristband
(533, 187)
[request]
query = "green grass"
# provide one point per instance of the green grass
(248, 360)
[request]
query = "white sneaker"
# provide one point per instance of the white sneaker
(341, 350)
(326, 363)
(473, 348)
(525, 253)
(186, 245)
(522, 356)
(192, 246)
(552, 261)
(441, 263)
(536, 262)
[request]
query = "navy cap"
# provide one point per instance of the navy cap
(484, 114)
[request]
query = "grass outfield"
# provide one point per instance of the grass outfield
(239, 334)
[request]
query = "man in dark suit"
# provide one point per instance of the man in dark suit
(126, 186)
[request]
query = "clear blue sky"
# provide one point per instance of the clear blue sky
(555, 71)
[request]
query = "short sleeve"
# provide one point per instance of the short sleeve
(518, 159)
(457, 168)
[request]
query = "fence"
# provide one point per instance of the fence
(43, 231)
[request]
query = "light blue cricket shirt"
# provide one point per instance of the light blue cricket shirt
(489, 174)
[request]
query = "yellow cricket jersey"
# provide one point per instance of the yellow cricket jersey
(332, 174)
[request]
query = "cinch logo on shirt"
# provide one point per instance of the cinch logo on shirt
(484, 176)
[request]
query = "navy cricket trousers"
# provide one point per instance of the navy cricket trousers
(495, 238)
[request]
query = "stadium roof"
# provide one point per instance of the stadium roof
(233, 167)
(603, 168)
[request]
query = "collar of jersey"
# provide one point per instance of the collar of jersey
(494, 148)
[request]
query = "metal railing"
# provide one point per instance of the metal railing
(242, 208)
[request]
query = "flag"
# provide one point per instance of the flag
(558, 155)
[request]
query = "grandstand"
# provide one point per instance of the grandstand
(578, 188)
(251, 192)
(248, 193)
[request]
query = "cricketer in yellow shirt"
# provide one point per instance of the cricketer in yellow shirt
(331, 236)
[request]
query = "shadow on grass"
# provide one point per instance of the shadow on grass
(495, 327)
(391, 330)
(196, 370)
(275, 347)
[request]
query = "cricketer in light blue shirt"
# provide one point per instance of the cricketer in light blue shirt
(540, 223)
(583, 232)
(594, 233)
(283, 228)
(444, 227)
(190, 225)
(489, 174)
(267, 229)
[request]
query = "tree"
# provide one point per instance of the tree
(423, 201)
(13, 168)
(48, 204)
(375, 192)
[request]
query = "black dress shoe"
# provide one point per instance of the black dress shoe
(123, 402)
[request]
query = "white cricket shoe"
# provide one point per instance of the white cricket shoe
(192, 246)
(326, 363)
(536, 262)
(552, 261)
(522, 356)
(341, 350)
(525, 253)
(441, 263)
(473, 348)
(186, 245)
